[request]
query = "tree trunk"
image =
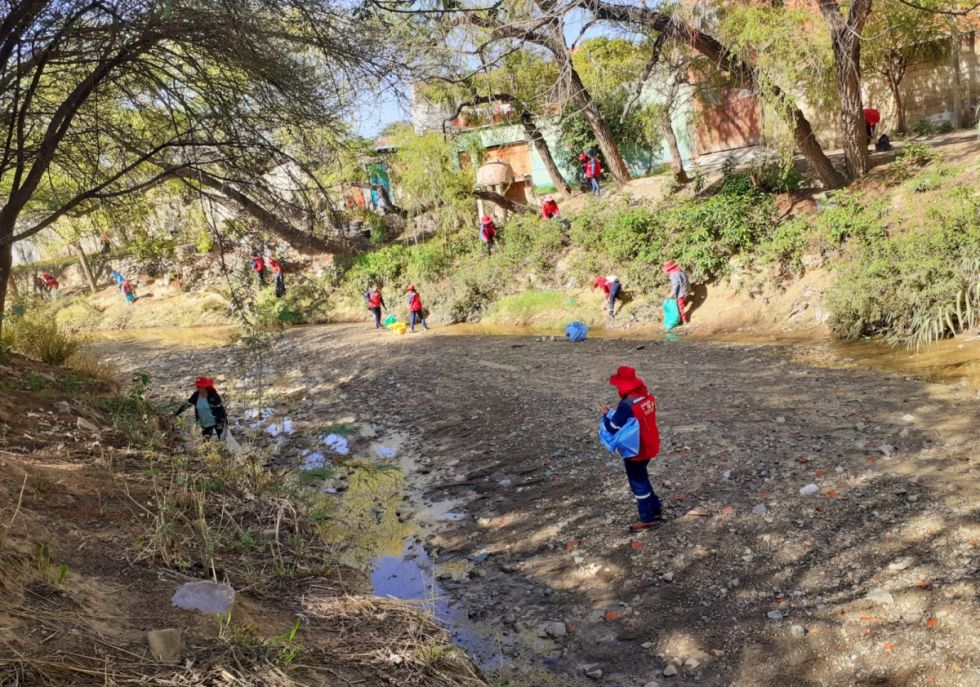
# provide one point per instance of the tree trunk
(895, 87)
(955, 85)
(6, 276)
(810, 148)
(503, 201)
(535, 137)
(86, 270)
(600, 127)
(676, 162)
(845, 37)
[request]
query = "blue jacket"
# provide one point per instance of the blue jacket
(624, 411)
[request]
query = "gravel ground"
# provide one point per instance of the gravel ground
(871, 580)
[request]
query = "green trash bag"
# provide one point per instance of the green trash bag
(390, 320)
(672, 314)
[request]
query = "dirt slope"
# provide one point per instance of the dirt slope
(870, 581)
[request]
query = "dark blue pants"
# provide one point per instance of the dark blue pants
(377, 317)
(612, 306)
(647, 502)
(416, 316)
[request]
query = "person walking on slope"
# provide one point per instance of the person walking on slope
(415, 309)
(593, 170)
(208, 409)
(375, 302)
(277, 277)
(679, 286)
(549, 208)
(129, 291)
(488, 232)
(636, 402)
(258, 267)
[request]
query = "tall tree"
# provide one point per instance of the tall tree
(110, 98)
(846, 36)
(896, 38)
(543, 24)
(737, 68)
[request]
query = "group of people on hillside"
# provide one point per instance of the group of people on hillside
(261, 267)
(416, 313)
(676, 277)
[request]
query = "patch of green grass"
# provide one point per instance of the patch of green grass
(344, 429)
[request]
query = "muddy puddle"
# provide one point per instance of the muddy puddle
(375, 517)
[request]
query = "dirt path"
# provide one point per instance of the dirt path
(871, 581)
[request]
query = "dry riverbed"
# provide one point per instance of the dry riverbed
(473, 479)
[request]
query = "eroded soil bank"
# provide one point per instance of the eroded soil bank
(872, 580)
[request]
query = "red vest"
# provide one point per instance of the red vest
(415, 304)
(645, 412)
(374, 299)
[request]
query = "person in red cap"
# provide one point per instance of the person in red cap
(593, 170)
(549, 208)
(208, 409)
(679, 286)
(488, 232)
(415, 309)
(278, 277)
(637, 402)
(375, 301)
(258, 267)
(871, 119)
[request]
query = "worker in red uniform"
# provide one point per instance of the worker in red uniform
(375, 302)
(680, 286)
(278, 278)
(871, 119)
(51, 283)
(258, 267)
(415, 309)
(637, 403)
(611, 288)
(593, 170)
(488, 232)
(549, 208)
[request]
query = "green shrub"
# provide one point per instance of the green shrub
(305, 302)
(850, 218)
(784, 246)
(911, 286)
(37, 335)
(205, 242)
(915, 155)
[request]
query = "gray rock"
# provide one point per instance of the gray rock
(207, 597)
(647, 645)
(759, 510)
(166, 646)
(775, 615)
(670, 670)
(798, 631)
(595, 674)
(652, 683)
(692, 663)
(553, 630)
(87, 425)
(882, 597)
(668, 577)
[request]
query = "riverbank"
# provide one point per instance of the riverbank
(867, 581)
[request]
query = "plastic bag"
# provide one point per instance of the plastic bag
(625, 442)
(399, 327)
(672, 314)
(577, 331)
(390, 320)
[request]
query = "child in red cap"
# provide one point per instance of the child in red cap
(208, 409)
(637, 402)
(488, 232)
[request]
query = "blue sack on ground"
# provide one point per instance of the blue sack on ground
(625, 442)
(577, 331)
(672, 314)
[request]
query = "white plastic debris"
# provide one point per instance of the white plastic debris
(337, 444)
(809, 490)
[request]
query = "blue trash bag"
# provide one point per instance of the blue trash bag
(625, 442)
(577, 331)
(672, 314)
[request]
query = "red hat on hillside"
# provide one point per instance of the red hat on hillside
(487, 219)
(626, 381)
(670, 266)
(204, 382)
(583, 156)
(410, 287)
